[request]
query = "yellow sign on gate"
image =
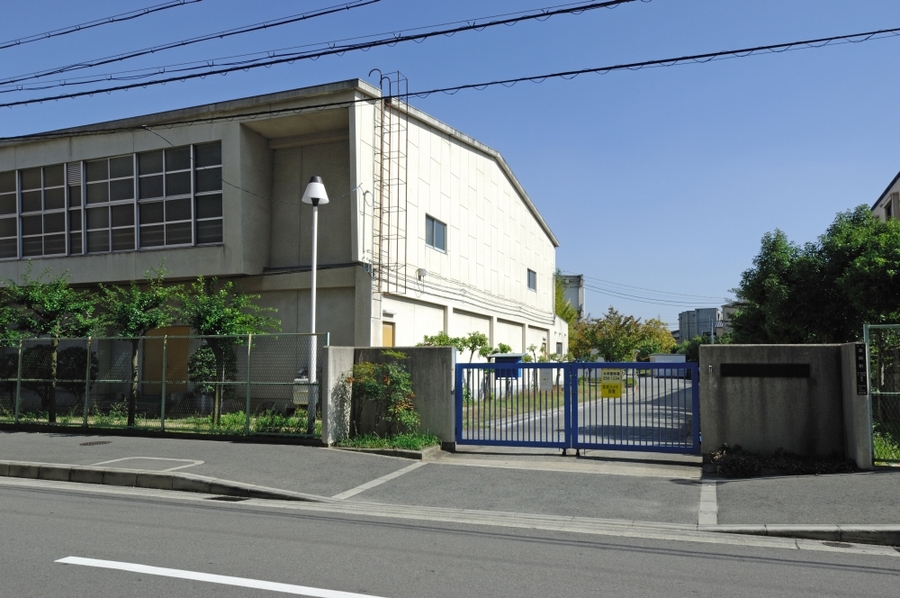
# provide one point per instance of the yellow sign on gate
(611, 384)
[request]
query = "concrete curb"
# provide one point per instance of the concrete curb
(136, 478)
(879, 534)
(425, 454)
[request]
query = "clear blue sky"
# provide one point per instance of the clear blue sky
(663, 179)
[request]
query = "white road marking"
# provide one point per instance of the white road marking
(227, 580)
(709, 507)
(190, 462)
(378, 482)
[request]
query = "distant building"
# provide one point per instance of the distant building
(573, 291)
(697, 322)
(888, 204)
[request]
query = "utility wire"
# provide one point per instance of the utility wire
(187, 42)
(125, 16)
(393, 40)
(655, 291)
(855, 38)
(251, 57)
(665, 62)
(641, 299)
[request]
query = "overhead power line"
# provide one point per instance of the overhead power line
(187, 42)
(333, 47)
(645, 299)
(696, 58)
(855, 38)
(125, 16)
(653, 291)
(540, 14)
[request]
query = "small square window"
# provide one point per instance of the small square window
(435, 233)
(532, 280)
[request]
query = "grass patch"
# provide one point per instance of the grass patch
(885, 444)
(408, 441)
(735, 462)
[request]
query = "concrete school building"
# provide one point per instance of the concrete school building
(427, 229)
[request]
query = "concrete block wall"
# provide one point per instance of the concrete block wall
(432, 370)
(767, 402)
(802, 415)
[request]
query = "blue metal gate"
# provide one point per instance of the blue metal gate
(650, 407)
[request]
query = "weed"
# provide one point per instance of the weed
(735, 462)
(408, 441)
(886, 446)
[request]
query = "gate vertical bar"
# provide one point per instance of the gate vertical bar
(458, 392)
(570, 409)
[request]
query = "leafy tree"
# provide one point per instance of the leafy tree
(691, 348)
(442, 339)
(222, 316)
(202, 370)
(655, 338)
(37, 375)
(614, 337)
(45, 306)
(131, 312)
(822, 292)
(72, 366)
(474, 342)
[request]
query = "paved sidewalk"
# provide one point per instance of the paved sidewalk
(644, 488)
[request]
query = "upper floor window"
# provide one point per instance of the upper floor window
(532, 280)
(158, 198)
(435, 233)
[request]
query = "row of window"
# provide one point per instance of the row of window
(122, 203)
(436, 238)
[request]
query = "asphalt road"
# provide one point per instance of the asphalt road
(391, 557)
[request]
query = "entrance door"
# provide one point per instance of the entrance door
(176, 360)
(387, 334)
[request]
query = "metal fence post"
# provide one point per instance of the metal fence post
(695, 405)
(247, 408)
(162, 386)
(19, 384)
(87, 382)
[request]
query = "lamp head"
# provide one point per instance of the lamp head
(315, 192)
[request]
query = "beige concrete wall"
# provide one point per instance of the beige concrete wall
(461, 323)
(289, 295)
(800, 415)
(510, 333)
(413, 320)
(492, 237)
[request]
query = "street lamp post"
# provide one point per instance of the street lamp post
(315, 196)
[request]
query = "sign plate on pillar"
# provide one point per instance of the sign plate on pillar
(862, 372)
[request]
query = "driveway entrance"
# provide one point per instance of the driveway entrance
(652, 407)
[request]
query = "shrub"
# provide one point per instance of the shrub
(388, 388)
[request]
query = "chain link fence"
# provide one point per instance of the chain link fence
(883, 342)
(252, 384)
